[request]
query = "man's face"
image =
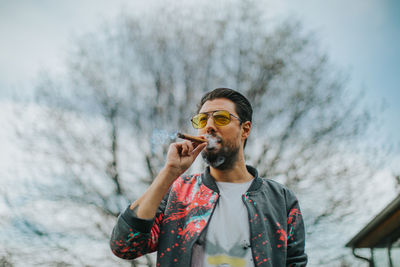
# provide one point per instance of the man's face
(226, 141)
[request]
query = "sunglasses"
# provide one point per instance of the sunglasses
(220, 117)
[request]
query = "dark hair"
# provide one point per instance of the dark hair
(242, 105)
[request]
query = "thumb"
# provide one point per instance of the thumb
(198, 149)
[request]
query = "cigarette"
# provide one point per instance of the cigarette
(192, 138)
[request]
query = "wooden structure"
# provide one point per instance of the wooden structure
(383, 232)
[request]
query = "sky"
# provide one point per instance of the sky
(362, 37)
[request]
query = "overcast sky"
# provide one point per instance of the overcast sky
(361, 37)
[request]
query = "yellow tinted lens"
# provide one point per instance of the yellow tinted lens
(221, 117)
(199, 120)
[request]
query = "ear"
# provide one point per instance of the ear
(246, 128)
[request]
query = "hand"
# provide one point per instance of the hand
(181, 156)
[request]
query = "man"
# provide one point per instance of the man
(226, 216)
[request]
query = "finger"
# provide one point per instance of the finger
(185, 149)
(174, 148)
(198, 149)
(190, 147)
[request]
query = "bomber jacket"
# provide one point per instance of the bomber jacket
(277, 236)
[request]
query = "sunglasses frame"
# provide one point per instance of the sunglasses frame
(212, 115)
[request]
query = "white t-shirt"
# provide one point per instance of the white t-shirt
(227, 241)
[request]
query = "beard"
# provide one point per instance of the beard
(223, 158)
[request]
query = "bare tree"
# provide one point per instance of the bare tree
(141, 77)
(5, 261)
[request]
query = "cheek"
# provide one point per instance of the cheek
(201, 131)
(233, 137)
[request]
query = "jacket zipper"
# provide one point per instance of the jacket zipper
(205, 227)
(250, 226)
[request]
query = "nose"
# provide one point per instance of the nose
(210, 126)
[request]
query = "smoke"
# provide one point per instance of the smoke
(215, 163)
(161, 137)
(214, 160)
(212, 141)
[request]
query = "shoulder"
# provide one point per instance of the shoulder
(270, 184)
(274, 188)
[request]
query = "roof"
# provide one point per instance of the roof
(384, 229)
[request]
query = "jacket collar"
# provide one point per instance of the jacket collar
(209, 181)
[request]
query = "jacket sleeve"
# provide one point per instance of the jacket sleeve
(133, 237)
(296, 255)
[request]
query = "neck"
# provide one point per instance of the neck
(237, 174)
